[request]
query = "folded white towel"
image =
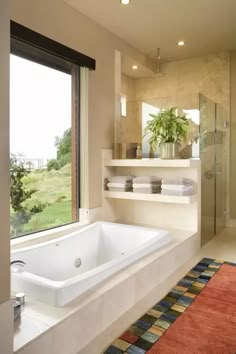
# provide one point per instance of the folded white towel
(146, 179)
(177, 180)
(176, 187)
(146, 185)
(119, 185)
(120, 179)
(119, 189)
(176, 193)
(147, 190)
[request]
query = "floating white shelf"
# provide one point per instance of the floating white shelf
(151, 197)
(152, 163)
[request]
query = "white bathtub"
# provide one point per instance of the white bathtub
(53, 273)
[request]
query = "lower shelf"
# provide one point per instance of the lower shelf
(151, 197)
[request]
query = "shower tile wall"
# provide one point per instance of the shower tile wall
(208, 75)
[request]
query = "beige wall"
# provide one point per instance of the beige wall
(233, 136)
(62, 23)
(4, 154)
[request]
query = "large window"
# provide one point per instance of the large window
(40, 146)
(44, 132)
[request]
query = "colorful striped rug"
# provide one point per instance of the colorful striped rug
(198, 316)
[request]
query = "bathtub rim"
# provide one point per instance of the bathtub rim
(60, 239)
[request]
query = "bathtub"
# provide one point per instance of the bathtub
(58, 271)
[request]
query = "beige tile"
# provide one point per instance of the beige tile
(71, 335)
(44, 313)
(222, 246)
(27, 329)
(41, 345)
(146, 279)
(117, 301)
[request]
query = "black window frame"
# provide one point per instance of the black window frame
(37, 40)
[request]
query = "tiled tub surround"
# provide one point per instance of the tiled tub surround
(56, 272)
(49, 330)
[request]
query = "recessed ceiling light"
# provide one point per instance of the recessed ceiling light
(181, 43)
(125, 2)
(135, 67)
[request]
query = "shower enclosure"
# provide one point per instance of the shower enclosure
(206, 140)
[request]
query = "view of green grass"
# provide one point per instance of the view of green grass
(53, 188)
(56, 214)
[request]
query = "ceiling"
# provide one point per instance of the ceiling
(206, 26)
(126, 68)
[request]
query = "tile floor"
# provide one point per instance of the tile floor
(222, 246)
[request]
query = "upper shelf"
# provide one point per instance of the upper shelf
(152, 163)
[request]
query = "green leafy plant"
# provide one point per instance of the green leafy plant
(166, 127)
(19, 195)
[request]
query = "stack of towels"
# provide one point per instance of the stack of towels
(120, 183)
(147, 184)
(179, 186)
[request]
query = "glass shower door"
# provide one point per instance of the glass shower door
(207, 156)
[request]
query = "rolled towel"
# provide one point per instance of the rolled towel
(178, 180)
(146, 185)
(120, 179)
(175, 187)
(146, 179)
(119, 185)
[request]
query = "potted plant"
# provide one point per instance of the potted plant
(167, 129)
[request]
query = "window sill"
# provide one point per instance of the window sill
(46, 235)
